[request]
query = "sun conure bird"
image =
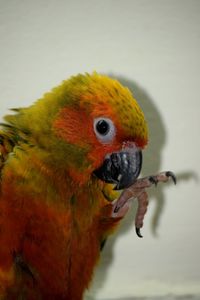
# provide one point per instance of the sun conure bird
(59, 161)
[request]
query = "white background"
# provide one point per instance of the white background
(153, 47)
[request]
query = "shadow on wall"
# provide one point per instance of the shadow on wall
(152, 158)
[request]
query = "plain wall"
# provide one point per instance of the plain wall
(153, 47)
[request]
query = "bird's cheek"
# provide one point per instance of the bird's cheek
(73, 126)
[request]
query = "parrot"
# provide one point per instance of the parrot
(63, 162)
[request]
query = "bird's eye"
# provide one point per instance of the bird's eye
(104, 129)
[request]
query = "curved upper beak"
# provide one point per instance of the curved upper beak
(121, 168)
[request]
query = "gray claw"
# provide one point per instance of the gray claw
(171, 174)
(137, 229)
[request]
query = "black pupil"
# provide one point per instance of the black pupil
(102, 127)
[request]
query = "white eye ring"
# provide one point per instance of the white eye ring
(104, 129)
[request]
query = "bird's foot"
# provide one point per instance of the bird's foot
(138, 190)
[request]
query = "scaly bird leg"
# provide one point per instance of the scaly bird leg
(137, 190)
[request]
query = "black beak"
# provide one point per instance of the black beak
(121, 168)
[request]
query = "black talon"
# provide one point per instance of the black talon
(171, 174)
(117, 208)
(137, 229)
(153, 180)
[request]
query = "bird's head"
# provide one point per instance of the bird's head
(106, 123)
(90, 126)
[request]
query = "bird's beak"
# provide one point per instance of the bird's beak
(121, 168)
